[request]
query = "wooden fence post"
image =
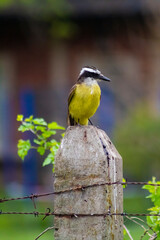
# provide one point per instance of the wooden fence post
(86, 156)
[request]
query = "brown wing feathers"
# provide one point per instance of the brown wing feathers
(70, 119)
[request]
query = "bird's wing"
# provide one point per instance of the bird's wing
(71, 94)
(70, 119)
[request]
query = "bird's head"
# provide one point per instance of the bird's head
(91, 73)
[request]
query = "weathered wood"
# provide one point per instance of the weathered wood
(87, 156)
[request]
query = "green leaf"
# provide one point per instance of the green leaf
(19, 118)
(40, 128)
(29, 119)
(53, 141)
(49, 159)
(124, 181)
(55, 125)
(48, 134)
(41, 150)
(39, 121)
(48, 145)
(43, 133)
(63, 134)
(151, 220)
(22, 128)
(38, 142)
(23, 148)
(154, 221)
(124, 231)
(54, 148)
(26, 127)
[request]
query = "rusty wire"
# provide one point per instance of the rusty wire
(77, 188)
(76, 215)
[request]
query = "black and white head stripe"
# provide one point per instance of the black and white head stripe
(92, 72)
(89, 72)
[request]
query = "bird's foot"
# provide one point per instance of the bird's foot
(90, 122)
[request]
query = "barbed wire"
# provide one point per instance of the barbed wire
(77, 188)
(76, 215)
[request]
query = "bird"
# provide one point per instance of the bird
(84, 97)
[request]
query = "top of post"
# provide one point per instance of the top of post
(87, 148)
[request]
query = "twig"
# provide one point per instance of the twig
(153, 237)
(143, 222)
(47, 229)
(143, 235)
(127, 231)
(145, 230)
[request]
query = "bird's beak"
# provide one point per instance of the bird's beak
(102, 77)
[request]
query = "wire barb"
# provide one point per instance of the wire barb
(32, 197)
(77, 188)
(47, 213)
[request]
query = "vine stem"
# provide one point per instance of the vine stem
(127, 231)
(47, 229)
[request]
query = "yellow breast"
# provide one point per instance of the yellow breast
(85, 102)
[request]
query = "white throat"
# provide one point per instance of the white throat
(90, 81)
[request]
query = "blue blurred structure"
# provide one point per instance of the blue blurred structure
(106, 111)
(27, 106)
(9, 165)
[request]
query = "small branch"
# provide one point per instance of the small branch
(145, 230)
(153, 237)
(129, 235)
(33, 147)
(150, 228)
(47, 229)
(33, 131)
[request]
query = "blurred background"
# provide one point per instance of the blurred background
(44, 45)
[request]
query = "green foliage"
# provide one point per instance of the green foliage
(59, 7)
(23, 148)
(124, 234)
(143, 229)
(43, 141)
(154, 221)
(138, 141)
(55, 13)
(124, 181)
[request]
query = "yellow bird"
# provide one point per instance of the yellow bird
(84, 97)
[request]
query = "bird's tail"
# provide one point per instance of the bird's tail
(71, 121)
